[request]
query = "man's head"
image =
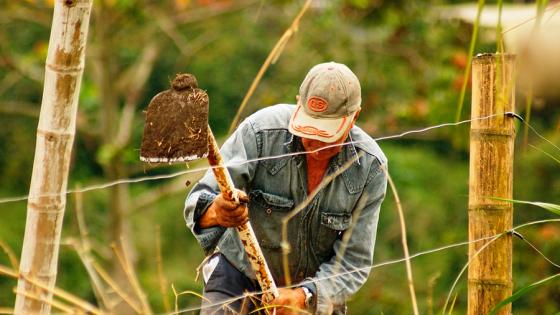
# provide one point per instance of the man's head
(328, 104)
(329, 98)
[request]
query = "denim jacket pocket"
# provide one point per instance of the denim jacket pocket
(333, 224)
(268, 210)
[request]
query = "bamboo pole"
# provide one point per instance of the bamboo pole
(55, 137)
(491, 175)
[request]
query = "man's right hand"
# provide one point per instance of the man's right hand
(226, 213)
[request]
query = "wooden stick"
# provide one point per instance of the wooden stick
(270, 59)
(83, 249)
(58, 305)
(118, 290)
(162, 280)
(130, 273)
(408, 265)
(10, 253)
(246, 233)
(491, 175)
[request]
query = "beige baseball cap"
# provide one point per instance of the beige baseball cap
(329, 98)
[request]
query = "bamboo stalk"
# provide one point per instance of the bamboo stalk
(55, 137)
(491, 175)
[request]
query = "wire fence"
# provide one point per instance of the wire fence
(229, 164)
(489, 239)
(513, 231)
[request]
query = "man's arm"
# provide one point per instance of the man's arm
(226, 213)
(347, 271)
(204, 204)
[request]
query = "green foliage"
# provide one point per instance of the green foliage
(411, 65)
(545, 205)
(522, 292)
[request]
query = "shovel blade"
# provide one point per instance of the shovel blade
(176, 127)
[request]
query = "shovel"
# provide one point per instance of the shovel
(177, 130)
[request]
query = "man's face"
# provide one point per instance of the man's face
(324, 154)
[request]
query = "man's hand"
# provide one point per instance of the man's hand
(226, 213)
(293, 299)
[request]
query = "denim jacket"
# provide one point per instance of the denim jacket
(331, 240)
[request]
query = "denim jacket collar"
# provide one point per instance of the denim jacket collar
(353, 178)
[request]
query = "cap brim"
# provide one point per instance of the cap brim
(323, 129)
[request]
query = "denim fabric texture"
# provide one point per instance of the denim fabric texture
(350, 204)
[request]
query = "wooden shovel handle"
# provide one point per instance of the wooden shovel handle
(246, 233)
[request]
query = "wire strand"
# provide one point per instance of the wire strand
(228, 164)
(521, 237)
(378, 265)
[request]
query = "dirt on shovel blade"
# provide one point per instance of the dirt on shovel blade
(176, 128)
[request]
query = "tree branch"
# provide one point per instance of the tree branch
(197, 15)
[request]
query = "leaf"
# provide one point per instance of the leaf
(547, 206)
(521, 292)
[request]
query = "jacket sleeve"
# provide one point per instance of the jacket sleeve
(339, 278)
(237, 152)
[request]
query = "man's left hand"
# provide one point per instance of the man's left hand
(293, 301)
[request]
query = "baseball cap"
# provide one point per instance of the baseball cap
(329, 98)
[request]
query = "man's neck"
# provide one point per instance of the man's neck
(316, 170)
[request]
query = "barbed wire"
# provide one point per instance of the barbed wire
(390, 262)
(228, 164)
(533, 129)
(523, 238)
(512, 231)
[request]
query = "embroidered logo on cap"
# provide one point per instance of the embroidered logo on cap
(317, 104)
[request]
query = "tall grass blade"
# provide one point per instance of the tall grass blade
(545, 205)
(270, 59)
(541, 5)
(468, 68)
(452, 304)
(499, 35)
(545, 153)
(521, 292)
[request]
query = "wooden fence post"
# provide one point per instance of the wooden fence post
(491, 175)
(55, 137)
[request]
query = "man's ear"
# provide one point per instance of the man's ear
(297, 98)
(356, 116)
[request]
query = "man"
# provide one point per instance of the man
(332, 239)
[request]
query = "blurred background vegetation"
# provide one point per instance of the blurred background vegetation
(410, 57)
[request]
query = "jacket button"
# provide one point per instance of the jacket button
(268, 210)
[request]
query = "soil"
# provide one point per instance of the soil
(176, 128)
